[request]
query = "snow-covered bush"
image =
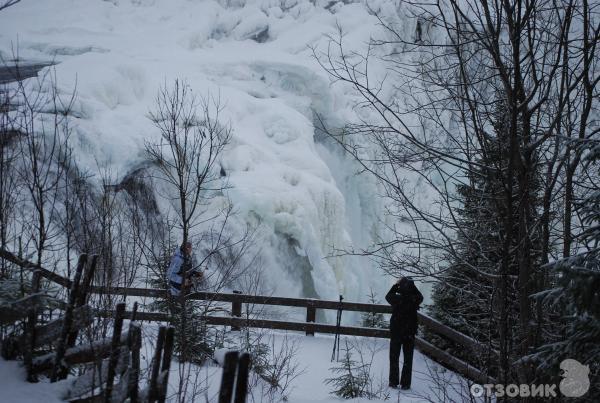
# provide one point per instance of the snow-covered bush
(274, 368)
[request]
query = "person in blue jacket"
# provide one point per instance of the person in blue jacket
(183, 270)
(405, 298)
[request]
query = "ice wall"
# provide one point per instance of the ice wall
(256, 56)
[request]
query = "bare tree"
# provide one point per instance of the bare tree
(186, 159)
(9, 186)
(521, 73)
(8, 3)
(44, 117)
(191, 142)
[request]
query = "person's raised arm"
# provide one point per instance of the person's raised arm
(417, 297)
(196, 269)
(392, 297)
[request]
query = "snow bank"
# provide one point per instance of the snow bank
(16, 389)
(313, 358)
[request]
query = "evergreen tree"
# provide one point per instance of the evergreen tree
(576, 299)
(194, 340)
(353, 378)
(467, 296)
(373, 319)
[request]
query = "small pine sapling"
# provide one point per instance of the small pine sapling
(352, 378)
(373, 319)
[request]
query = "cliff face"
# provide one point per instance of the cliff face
(283, 170)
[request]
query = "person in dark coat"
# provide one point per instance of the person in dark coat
(405, 298)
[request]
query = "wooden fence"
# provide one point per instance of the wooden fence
(310, 326)
(112, 364)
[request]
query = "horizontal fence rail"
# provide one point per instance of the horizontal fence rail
(309, 327)
(25, 264)
(425, 320)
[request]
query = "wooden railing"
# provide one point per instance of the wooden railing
(310, 327)
(113, 363)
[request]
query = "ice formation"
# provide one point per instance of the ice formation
(256, 55)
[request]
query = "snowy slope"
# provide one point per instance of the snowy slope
(255, 55)
(313, 357)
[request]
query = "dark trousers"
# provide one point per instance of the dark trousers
(398, 343)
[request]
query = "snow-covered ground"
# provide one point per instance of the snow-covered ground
(313, 356)
(256, 56)
(16, 389)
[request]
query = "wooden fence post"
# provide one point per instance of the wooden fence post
(228, 378)
(311, 313)
(241, 386)
(135, 344)
(156, 361)
(134, 312)
(236, 310)
(61, 347)
(81, 297)
(166, 364)
(114, 351)
(86, 282)
(31, 322)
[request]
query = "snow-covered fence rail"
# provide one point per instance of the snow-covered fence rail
(25, 264)
(77, 355)
(425, 347)
(311, 306)
(12, 311)
(310, 326)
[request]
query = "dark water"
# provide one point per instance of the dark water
(12, 73)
